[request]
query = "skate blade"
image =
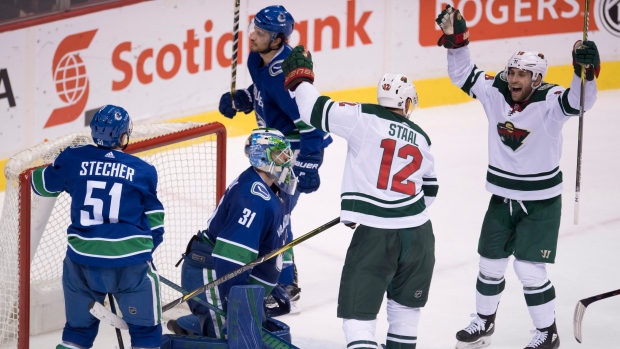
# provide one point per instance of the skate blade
(295, 308)
(480, 343)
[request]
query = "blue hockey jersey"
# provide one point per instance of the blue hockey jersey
(250, 220)
(116, 217)
(275, 106)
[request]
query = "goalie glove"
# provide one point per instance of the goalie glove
(454, 27)
(297, 68)
(585, 54)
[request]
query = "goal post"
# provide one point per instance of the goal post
(190, 159)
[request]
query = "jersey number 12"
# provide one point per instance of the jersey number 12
(408, 187)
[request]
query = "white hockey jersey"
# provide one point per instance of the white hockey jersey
(524, 139)
(389, 176)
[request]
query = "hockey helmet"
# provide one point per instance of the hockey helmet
(274, 19)
(528, 60)
(111, 127)
(394, 90)
(270, 152)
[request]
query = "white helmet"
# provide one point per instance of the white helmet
(393, 92)
(528, 60)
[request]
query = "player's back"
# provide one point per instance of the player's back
(111, 193)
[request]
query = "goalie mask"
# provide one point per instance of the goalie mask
(270, 152)
(397, 91)
(111, 127)
(531, 61)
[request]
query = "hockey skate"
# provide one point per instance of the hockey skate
(545, 338)
(477, 334)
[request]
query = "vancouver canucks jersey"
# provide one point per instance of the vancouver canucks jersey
(524, 139)
(116, 218)
(275, 106)
(250, 220)
(389, 176)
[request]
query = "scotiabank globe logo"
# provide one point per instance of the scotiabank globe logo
(70, 79)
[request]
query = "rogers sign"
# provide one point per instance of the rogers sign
(497, 19)
(199, 53)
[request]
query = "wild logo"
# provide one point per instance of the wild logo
(511, 136)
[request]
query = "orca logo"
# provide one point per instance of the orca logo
(609, 16)
(70, 79)
(276, 67)
(259, 189)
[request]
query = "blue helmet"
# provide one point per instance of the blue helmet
(270, 152)
(275, 19)
(111, 127)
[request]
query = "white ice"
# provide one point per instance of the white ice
(587, 259)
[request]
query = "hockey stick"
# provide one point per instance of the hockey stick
(582, 96)
(235, 48)
(580, 310)
(119, 336)
(250, 265)
(103, 314)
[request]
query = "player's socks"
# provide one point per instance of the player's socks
(545, 338)
(478, 333)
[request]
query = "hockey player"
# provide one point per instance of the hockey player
(389, 181)
(251, 220)
(525, 117)
(275, 107)
(116, 224)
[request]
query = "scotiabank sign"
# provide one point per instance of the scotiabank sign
(500, 19)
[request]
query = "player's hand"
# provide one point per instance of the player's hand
(297, 68)
(307, 171)
(243, 102)
(585, 54)
(454, 27)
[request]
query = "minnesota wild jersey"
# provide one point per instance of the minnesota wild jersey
(389, 176)
(524, 139)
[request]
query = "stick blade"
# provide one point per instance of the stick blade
(580, 311)
(102, 313)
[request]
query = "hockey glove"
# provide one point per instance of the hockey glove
(454, 27)
(243, 102)
(277, 302)
(297, 68)
(586, 55)
(307, 171)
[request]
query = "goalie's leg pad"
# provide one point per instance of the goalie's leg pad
(278, 329)
(174, 341)
(245, 316)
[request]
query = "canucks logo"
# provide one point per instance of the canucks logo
(259, 189)
(275, 68)
(510, 135)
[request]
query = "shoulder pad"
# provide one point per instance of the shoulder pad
(260, 189)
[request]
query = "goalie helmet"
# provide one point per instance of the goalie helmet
(111, 127)
(275, 19)
(270, 152)
(528, 60)
(393, 92)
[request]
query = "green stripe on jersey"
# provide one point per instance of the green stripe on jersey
(235, 253)
(156, 218)
(268, 288)
(539, 295)
(523, 185)
(110, 248)
(353, 202)
(39, 186)
(471, 80)
(302, 126)
(318, 114)
(568, 110)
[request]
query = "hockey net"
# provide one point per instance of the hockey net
(191, 166)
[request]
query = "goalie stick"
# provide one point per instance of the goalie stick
(250, 265)
(580, 310)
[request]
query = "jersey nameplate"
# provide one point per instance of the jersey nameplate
(259, 189)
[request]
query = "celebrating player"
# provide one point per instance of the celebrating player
(389, 181)
(525, 117)
(251, 220)
(275, 107)
(116, 224)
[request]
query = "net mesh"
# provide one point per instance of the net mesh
(186, 187)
